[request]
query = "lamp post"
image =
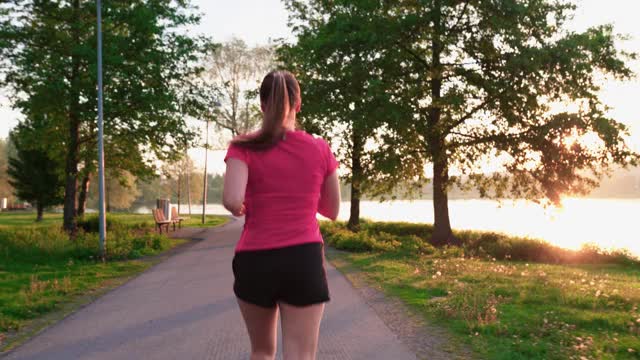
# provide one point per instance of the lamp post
(216, 104)
(204, 190)
(101, 210)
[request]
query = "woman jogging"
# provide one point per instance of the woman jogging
(280, 178)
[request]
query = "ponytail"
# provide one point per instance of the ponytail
(278, 94)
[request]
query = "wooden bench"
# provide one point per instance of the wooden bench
(158, 216)
(175, 218)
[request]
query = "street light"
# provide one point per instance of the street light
(206, 152)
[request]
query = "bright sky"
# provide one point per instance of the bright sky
(257, 21)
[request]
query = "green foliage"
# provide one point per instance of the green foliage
(148, 59)
(150, 64)
(457, 83)
(338, 64)
(35, 175)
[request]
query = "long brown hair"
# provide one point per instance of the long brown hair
(279, 94)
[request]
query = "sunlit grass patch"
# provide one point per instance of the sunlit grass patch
(513, 309)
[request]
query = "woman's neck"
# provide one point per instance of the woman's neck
(290, 125)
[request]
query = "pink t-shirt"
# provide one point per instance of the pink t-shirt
(283, 191)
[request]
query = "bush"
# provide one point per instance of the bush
(90, 223)
(344, 239)
(414, 244)
(350, 241)
(422, 231)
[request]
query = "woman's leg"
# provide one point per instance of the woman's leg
(262, 325)
(300, 328)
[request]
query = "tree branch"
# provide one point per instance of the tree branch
(467, 116)
(416, 56)
(464, 10)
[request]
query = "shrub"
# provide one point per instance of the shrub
(90, 224)
(422, 231)
(414, 244)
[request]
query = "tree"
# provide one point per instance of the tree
(50, 53)
(34, 175)
(344, 98)
(178, 175)
(214, 193)
(236, 70)
(121, 191)
(480, 80)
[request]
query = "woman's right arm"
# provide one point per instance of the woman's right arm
(329, 204)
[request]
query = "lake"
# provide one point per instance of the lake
(607, 223)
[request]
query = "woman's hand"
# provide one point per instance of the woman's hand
(239, 212)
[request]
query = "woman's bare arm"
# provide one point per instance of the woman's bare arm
(329, 204)
(235, 186)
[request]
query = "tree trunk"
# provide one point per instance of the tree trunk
(356, 181)
(354, 215)
(442, 233)
(71, 167)
(40, 209)
(82, 197)
(107, 191)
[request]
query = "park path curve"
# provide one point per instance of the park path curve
(184, 308)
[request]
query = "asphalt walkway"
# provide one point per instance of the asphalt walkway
(184, 308)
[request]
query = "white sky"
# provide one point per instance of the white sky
(257, 21)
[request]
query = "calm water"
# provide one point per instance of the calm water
(606, 223)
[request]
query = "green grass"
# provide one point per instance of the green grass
(25, 218)
(586, 308)
(42, 270)
(210, 220)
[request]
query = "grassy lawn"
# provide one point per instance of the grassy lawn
(17, 219)
(24, 218)
(503, 308)
(42, 271)
(210, 220)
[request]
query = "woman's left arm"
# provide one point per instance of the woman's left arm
(235, 186)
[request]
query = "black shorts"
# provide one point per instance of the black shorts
(294, 275)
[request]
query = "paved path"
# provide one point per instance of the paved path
(184, 308)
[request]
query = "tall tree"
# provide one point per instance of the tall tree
(121, 190)
(236, 70)
(49, 52)
(480, 80)
(178, 175)
(33, 173)
(345, 98)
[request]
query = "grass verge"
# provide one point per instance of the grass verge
(44, 274)
(555, 305)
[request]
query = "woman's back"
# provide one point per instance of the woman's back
(283, 190)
